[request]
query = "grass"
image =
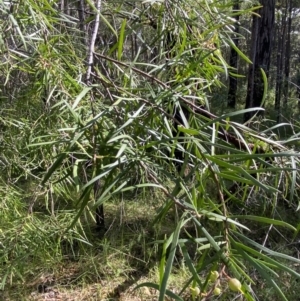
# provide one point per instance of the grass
(109, 267)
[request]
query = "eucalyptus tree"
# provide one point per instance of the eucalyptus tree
(106, 96)
(281, 55)
(233, 61)
(287, 61)
(285, 11)
(261, 49)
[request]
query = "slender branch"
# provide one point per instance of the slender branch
(90, 58)
(223, 134)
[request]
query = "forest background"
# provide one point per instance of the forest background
(149, 150)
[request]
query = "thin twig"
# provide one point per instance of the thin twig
(92, 42)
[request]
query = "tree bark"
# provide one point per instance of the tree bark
(234, 61)
(280, 60)
(262, 33)
(288, 55)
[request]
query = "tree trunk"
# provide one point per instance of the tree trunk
(262, 32)
(100, 209)
(280, 60)
(234, 60)
(287, 55)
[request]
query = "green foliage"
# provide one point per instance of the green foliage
(120, 131)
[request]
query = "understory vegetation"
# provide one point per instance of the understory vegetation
(118, 108)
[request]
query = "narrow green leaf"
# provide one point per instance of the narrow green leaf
(80, 96)
(189, 131)
(239, 52)
(265, 220)
(263, 271)
(83, 200)
(293, 182)
(265, 80)
(108, 24)
(169, 264)
(121, 39)
(132, 118)
(266, 258)
(267, 250)
(210, 214)
(163, 260)
(54, 167)
(190, 265)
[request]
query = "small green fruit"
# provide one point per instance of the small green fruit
(214, 275)
(217, 291)
(195, 291)
(234, 285)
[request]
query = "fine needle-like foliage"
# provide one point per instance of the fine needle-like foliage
(118, 98)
